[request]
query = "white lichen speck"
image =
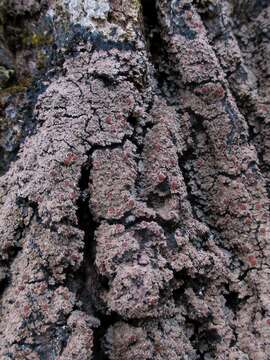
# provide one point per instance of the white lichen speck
(85, 12)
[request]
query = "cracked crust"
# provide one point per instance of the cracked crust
(135, 219)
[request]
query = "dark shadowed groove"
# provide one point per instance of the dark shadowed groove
(85, 220)
(151, 28)
(154, 42)
(87, 269)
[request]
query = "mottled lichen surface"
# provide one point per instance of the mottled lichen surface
(135, 180)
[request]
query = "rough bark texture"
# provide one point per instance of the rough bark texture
(135, 179)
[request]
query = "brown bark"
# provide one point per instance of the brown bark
(134, 180)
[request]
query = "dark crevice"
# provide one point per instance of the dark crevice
(151, 28)
(86, 224)
(198, 284)
(90, 282)
(203, 338)
(5, 280)
(155, 44)
(232, 300)
(87, 269)
(99, 348)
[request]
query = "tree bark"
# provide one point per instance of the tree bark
(135, 178)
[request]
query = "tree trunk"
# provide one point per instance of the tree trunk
(135, 179)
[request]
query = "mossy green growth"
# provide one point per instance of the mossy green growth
(14, 89)
(36, 39)
(136, 4)
(41, 60)
(41, 39)
(5, 75)
(2, 123)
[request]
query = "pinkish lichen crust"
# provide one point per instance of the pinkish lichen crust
(134, 221)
